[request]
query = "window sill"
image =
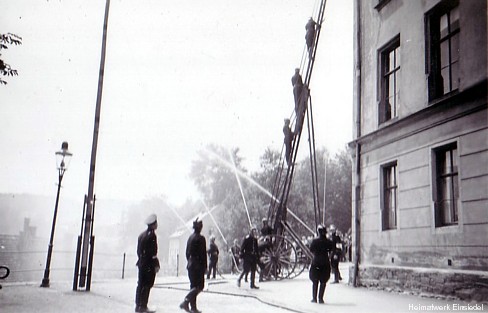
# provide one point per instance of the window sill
(447, 229)
(444, 98)
(388, 122)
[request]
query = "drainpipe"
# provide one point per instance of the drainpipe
(357, 168)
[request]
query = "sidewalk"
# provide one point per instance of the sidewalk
(220, 295)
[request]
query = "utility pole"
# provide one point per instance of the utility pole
(87, 244)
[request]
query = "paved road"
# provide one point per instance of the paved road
(221, 295)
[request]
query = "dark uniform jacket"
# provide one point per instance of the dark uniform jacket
(320, 267)
(236, 251)
(320, 247)
(267, 230)
(213, 252)
(147, 250)
(196, 253)
(337, 251)
(249, 249)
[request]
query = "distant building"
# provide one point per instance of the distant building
(21, 254)
(420, 171)
(178, 240)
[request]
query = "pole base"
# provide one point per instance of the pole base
(45, 283)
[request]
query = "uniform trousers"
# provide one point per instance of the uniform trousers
(145, 282)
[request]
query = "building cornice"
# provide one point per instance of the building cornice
(437, 113)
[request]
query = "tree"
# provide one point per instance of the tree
(5, 40)
(215, 178)
(338, 194)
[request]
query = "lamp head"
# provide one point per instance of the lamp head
(63, 157)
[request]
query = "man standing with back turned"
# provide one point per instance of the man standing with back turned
(196, 255)
(147, 263)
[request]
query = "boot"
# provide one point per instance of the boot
(321, 292)
(193, 305)
(315, 287)
(184, 305)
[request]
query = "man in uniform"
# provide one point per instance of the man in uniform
(287, 140)
(300, 92)
(147, 263)
(266, 230)
(250, 256)
(336, 254)
(235, 251)
(320, 268)
(310, 35)
(213, 255)
(196, 255)
(264, 243)
(297, 84)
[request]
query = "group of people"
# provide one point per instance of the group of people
(300, 94)
(148, 265)
(325, 249)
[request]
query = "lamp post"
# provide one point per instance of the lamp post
(62, 159)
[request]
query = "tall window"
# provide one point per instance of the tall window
(390, 89)
(443, 48)
(446, 191)
(390, 196)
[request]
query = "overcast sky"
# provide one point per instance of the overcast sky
(179, 74)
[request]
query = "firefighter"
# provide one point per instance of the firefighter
(250, 256)
(147, 263)
(319, 272)
(196, 256)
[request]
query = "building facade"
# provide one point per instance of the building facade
(420, 185)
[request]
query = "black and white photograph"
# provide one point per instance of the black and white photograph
(272, 156)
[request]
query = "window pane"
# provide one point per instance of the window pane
(447, 186)
(454, 19)
(396, 86)
(391, 86)
(391, 60)
(444, 53)
(455, 76)
(445, 79)
(448, 162)
(455, 48)
(397, 56)
(393, 209)
(454, 158)
(388, 109)
(444, 26)
(446, 212)
(390, 197)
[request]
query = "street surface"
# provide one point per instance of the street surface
(220, 295)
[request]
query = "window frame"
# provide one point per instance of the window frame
(433, 42)
(386, 210)
(437, 177)
(384, 74)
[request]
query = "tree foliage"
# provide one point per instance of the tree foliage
(338, 191)
(214, 175)
(5, 40)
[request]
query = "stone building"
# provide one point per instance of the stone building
(420, 149)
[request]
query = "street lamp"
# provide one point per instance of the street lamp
(62, 159)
